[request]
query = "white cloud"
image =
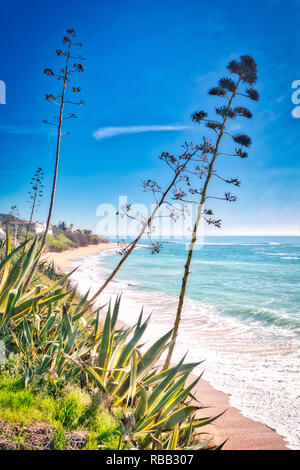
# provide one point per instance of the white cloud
(105, 132)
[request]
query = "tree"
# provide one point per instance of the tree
(72, 65)
(246, 70)
(62, 226)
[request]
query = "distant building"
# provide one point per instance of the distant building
(40, 227)
(2, 234)
(36, 227)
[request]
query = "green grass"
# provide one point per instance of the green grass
(18, 404)
(74, 406)
(69, 410)
(58, 242)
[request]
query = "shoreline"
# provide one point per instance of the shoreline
(61, 259)
(242, 433)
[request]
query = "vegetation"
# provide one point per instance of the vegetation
(61, 241)
(69, 418)
(58, 242)
(67, 370)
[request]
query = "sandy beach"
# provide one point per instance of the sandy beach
(63, 258)
(241, 433)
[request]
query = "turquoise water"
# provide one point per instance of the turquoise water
(241, 315)
(253, 279)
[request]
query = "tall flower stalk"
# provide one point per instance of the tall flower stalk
(228, 89)
(72, 65)
(35, 194)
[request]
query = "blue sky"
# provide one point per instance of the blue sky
(149, 64)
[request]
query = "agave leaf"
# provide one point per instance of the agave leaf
(115, 313)
(132, 383)
(169, 399)
(154, 378)
(71, 340)
(174, 438)
(147, 361)
(8, 241)
(105, 340)
(5, 263)
(81, 307)
(126, 354)
(151, 355)
(46, 361)
(50, 300)
(17, 341)
(171, 404)
(12, 296)
(97, 325)
(50, 288)
(10, 282)
(139, 322)
(188, 434)
(220, 447)
(146, 424)
(132, 343)
(114, 360)
(203, 421)
(162, 387)
(27, 261)
(142, 404)
(96, 377)
(27, 332)
(199, 446)
(177, 417)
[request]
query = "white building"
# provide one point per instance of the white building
(40, 227)
(36, 227)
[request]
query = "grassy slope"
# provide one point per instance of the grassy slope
(60, 416)
(58, 242)
(70, 417)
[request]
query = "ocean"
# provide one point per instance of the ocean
(241, 315)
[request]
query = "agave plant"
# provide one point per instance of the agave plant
(60, 337)
(14, 267)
